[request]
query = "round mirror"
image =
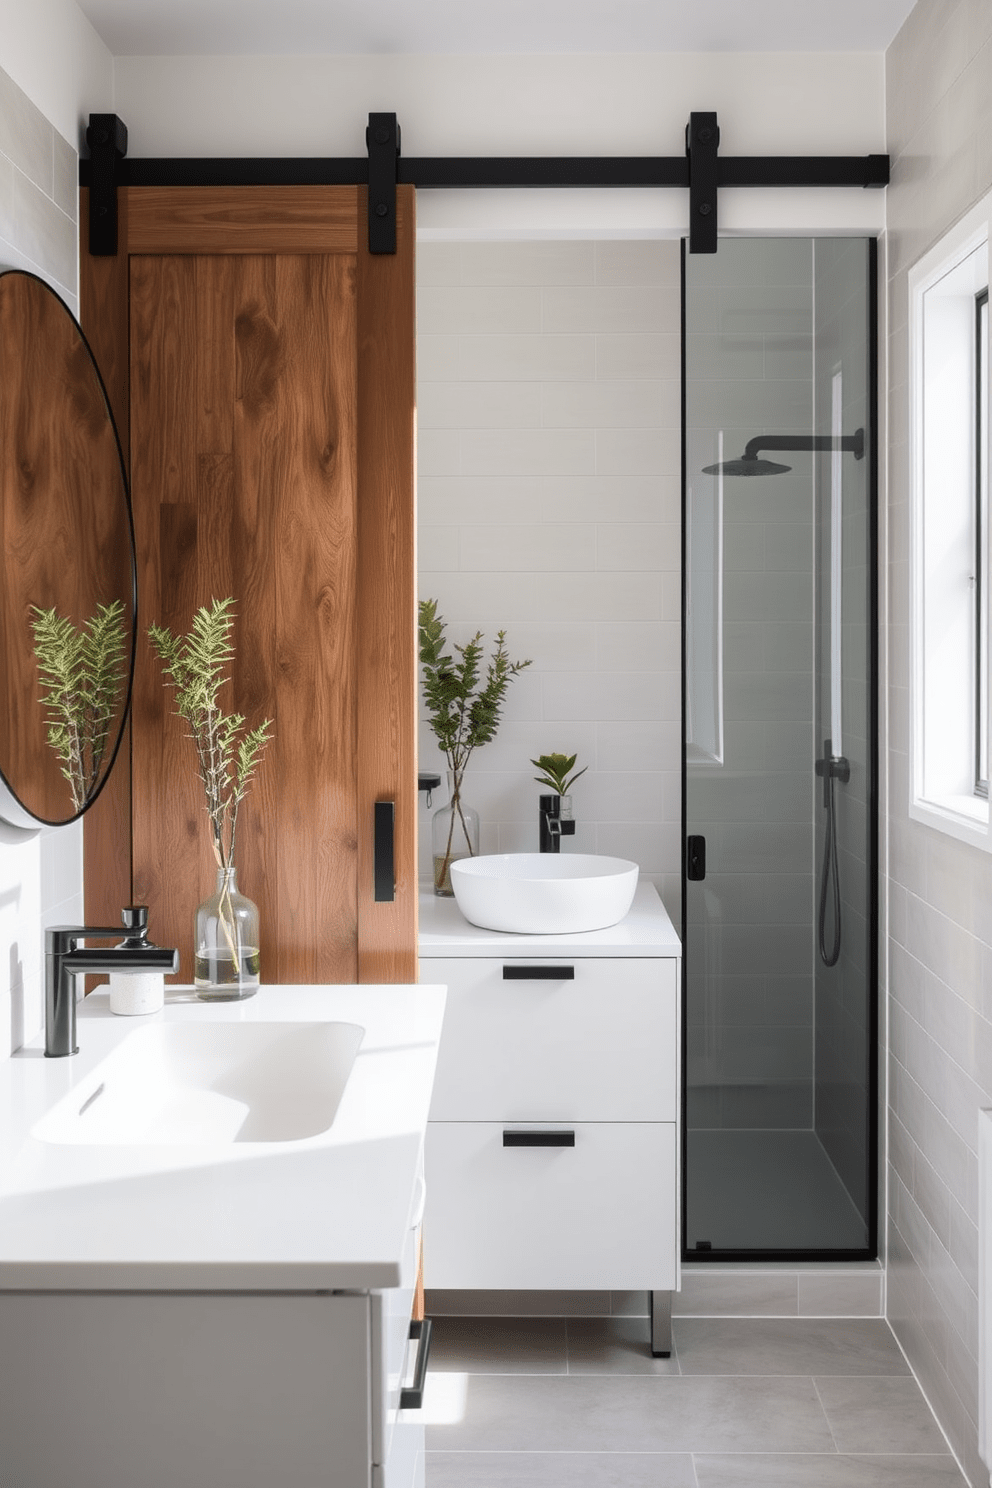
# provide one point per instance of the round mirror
(68, 603)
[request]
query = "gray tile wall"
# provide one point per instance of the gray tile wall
(38, 194)
(842, 1020)
(549, 506)
(939, 962)
(749, 370)
(41, 875)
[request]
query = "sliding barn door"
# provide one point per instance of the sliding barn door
(270, 388)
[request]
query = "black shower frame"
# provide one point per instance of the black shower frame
(870, 1251)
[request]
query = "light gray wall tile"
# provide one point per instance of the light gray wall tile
(634, 262)
(476, 405)
(66, 176)
(538, 358)
(457, 310)
(26, 136)
(611, 309)
(634, 356)
(525, 263)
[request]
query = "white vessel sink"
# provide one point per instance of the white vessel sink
(544, 893)
(200, 1084)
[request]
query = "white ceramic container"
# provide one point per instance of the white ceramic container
(544, 893)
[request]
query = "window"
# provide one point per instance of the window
(981, 531)
(949, 328)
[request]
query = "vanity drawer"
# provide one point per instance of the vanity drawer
(598, 1215)
(544, 1039)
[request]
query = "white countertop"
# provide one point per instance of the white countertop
(330, 1211)
(645, 931)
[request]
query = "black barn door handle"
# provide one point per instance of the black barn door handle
(384, 864)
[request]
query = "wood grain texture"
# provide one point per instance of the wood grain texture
(103, 312)
(244, 424)
(63, 521)
(387, 704)
(242, 219)
(245, 371)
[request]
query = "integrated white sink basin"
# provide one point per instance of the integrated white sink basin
(544, 893)
(207, 1083)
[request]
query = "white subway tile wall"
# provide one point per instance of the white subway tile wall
(549, 416)
(41, 874)
(938, 972)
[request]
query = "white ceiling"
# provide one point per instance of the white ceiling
(290, 27)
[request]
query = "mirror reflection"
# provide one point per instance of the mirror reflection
(67, 603)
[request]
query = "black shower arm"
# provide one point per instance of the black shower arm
(853, 444)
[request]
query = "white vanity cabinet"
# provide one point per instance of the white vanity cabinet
(207, 1390)
(216, 1314)
(552, 1151)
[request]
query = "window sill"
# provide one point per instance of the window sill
(963, 817)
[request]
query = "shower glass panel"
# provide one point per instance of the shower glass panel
(779, 750)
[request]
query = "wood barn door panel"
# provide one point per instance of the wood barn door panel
(240, 219)
(244, 412)
(269, 362)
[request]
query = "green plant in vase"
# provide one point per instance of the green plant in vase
(463, 706)
(228, 755)
(82, 672)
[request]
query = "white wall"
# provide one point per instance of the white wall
(549, 505)
(517, 105)
(54, 69)
(50, 50)
(938, 967)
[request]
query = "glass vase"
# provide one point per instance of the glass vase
(454, 834)
(226, 965)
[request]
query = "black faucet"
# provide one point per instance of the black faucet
(64, 962)
(551, 825)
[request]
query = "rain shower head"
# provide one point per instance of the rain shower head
(749, 464)
(746, 467)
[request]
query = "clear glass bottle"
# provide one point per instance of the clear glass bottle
(454, 834)
(226, 964)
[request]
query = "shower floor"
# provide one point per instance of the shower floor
(767, 1190)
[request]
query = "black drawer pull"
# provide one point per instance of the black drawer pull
(412, 1397)
(539, 973)
(538, 1138)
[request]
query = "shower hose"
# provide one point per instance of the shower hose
(831, 767)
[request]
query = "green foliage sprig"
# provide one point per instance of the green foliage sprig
(463, 713)
(227, 755)
(81, 672)
(556, 769)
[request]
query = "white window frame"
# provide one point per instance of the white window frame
(942, 450)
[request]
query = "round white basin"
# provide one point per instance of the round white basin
(543, 893)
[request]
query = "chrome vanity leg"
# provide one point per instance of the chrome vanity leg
(661, 1323)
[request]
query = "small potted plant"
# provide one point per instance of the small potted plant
(555, 772)
(464, 714)
(226, 945)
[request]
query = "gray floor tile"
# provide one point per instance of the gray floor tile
(879, 1415)
(787, 1471)
(499, 1345)
(802, 1346)
(635, 1413)
(559, 1470)
(620, 1345)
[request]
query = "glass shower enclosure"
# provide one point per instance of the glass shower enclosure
(780, 750)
